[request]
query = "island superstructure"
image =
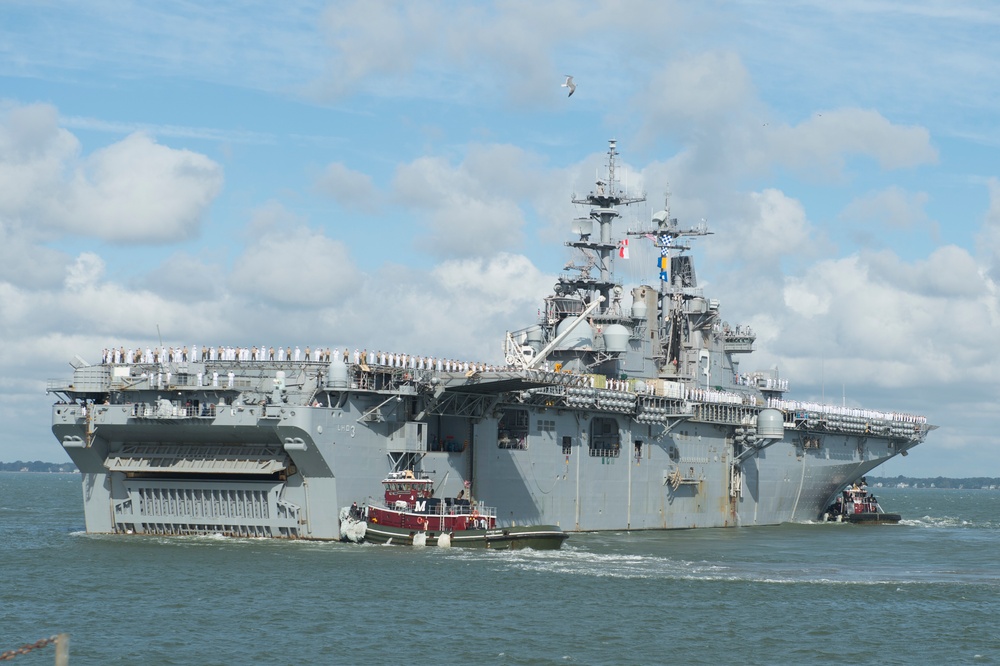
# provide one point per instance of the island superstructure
(615, 410)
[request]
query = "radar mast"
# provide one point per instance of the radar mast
(603, 200)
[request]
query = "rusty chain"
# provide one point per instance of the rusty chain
(27, 647)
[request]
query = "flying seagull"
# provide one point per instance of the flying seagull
(569, 84)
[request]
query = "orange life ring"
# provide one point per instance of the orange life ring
(422, 522)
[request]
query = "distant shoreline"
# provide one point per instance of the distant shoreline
(39, 466)
(936, 483)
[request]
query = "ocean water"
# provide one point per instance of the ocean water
(923, 592)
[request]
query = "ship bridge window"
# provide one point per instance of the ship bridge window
(605, 440)
(512, 429)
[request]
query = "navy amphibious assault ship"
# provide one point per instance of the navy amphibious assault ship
(618, 409)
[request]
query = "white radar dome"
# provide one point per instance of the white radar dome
(770, 424)
(616, 338)
(582, 336)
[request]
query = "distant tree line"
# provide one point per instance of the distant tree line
(37, 466)
(936, 482)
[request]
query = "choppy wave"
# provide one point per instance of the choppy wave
(950, 522)
(579, 560)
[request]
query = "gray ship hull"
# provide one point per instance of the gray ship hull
(284, 470)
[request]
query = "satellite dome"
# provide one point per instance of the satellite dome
(581, 337)
(639, 308)
(770, 424)
(616, 338)
(337, 373)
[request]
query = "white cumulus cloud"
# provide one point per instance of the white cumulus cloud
(132, 191)
(291, 265)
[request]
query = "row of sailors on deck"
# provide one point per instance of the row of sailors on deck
(755, 379)
(796, 406)
(153, 355)
(281, 354)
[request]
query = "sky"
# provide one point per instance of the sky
(400, 176)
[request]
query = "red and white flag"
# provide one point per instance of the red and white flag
(623, 248)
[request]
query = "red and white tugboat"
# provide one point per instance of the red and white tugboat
(413, 516)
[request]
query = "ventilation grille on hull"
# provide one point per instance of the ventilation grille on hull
(248, 509)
